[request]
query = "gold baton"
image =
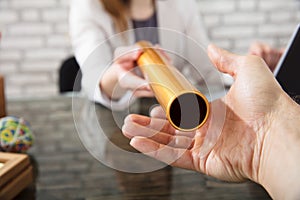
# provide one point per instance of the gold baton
(186, 108)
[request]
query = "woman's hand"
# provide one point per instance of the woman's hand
(121, 75)
(270, 55)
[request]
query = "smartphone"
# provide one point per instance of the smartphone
(287, 71)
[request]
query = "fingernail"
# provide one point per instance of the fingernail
(134, 140)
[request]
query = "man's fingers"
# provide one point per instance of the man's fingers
(164, 153)
(157, 129)
(158, 112)
(143, 92)
(134, 122)
(139, 119)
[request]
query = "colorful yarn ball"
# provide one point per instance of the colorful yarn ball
(15, 135)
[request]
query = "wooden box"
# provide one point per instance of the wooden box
(15, 174)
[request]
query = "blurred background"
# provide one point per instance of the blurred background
(35, 37)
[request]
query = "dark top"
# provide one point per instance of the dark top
(146, 29)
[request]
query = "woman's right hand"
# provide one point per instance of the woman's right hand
(270, 55)
(121, 75)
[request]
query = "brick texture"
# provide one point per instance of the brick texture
(35, 36)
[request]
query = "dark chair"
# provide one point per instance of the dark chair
(69, 76)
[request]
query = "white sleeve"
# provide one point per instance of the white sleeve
(121, 104)
(89, 26)
(84, 28)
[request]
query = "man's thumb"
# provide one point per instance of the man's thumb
(223, 60)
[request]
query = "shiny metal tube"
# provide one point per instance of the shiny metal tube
(186, 108)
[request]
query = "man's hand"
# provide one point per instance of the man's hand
(247, 141)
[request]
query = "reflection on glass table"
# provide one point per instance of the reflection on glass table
(81, 154)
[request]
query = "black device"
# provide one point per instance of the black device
(287, 71)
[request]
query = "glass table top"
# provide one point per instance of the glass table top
(80, 153)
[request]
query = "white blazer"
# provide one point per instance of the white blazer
(92, 35)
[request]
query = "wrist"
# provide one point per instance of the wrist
(109, 82)
(278, 169)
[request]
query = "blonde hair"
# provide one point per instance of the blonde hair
(118, 10)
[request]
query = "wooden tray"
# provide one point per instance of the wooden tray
(15, 174)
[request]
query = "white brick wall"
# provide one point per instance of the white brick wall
(35, 36)
(35, 41)
(234, 24)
